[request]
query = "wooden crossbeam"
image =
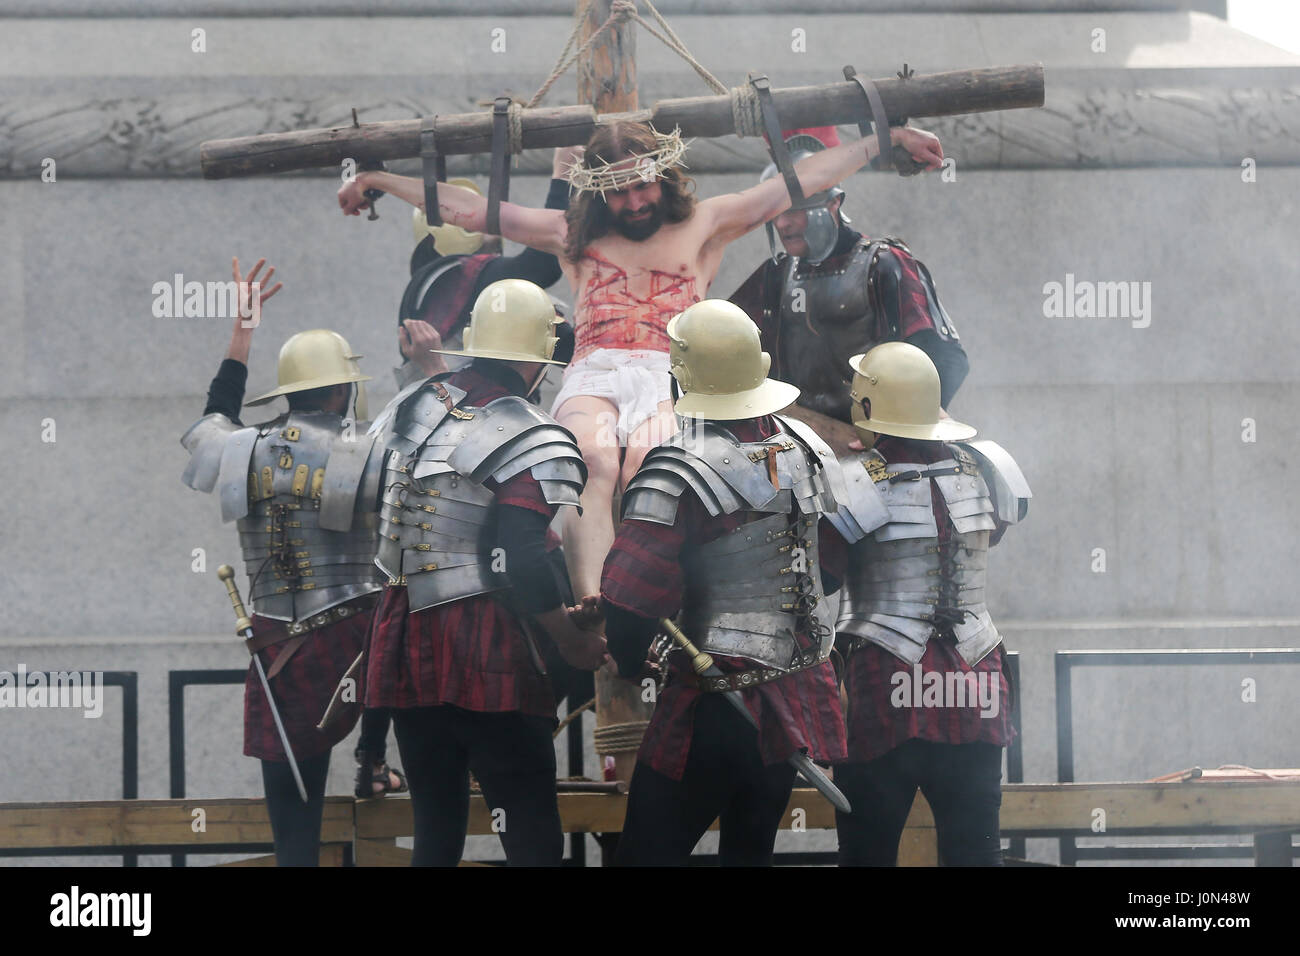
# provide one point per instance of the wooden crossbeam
(828, 104)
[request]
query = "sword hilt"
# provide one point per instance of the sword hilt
(701, 661)
(242, 623)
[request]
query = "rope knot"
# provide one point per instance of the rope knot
(621, 11)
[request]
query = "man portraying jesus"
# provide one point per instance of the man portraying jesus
(637, 248)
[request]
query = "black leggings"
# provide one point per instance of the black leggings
(961, 782)
(374, 732)
(725, 780)
(295, 826)
(513, 758)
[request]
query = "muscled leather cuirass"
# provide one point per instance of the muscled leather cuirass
(302, 490)
(843, 306)
(826, 315)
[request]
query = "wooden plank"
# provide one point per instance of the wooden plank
(919, 843)
(330, 855)
(152, 822)
(380, 853)
(1243, 805)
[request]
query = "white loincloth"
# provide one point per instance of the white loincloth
(634, 380)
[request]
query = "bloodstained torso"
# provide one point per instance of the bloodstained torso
(626, 291)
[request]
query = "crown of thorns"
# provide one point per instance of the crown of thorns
(645, 166)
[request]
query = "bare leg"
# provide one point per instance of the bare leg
(589, 536)
(651, 433)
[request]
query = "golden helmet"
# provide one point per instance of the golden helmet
(448, 240)
(717, 358)
(315, 359)
(513, 320)
(896, 392)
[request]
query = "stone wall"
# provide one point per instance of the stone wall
(1133, 433)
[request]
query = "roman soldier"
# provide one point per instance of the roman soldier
(303, 491)
(721, 523)
(929, 700)
(451, 265)
(473, 475)
(834, 292)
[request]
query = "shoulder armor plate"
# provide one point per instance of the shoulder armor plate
(861, 508)
(1011, 492)
(706, 458)
(206, 441)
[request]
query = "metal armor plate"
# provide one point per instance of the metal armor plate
(303, 490)
(903, 585)
(1004, 478)
(438, 516)
(755, 591)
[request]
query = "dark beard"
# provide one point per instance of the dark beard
(639, 231)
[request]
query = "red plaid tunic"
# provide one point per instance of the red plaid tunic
(875, 725)
(302, 690)
(469, 653)
(643, 575)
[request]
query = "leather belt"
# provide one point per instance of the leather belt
(740, 680)
(304, 627)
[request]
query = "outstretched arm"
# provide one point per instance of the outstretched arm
(542, 229)
(733, 215)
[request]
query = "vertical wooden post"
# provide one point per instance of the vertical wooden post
(607, 81)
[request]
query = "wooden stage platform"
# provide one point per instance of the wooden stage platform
(1214, 802)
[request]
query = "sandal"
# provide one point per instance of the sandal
(380, 775)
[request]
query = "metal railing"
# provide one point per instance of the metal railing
(1067, 661)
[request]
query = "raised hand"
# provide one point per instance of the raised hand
(250, 285)
(253, 293)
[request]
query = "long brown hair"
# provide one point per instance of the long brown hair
(588, 216)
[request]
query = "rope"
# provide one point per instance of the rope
(746, 114)
(515, 120)
(620, 738)
(674, 44)
(572, 716)
(562, 65)
(622, 11)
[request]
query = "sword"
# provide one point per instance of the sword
(244, 628)
(703, 664)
